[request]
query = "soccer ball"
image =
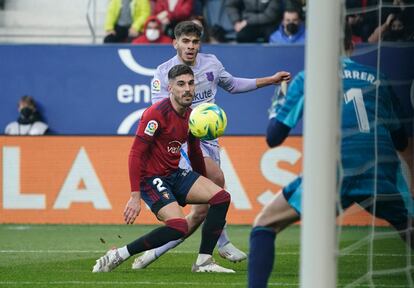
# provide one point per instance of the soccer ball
(207, 121)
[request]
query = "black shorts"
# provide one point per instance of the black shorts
(158, 191)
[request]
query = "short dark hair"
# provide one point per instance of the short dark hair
(180, 69)
(28, 100)
(187, 28)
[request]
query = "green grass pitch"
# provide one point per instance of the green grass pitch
(63, 256)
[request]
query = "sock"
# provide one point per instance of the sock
(261, 256)
(215, 221)
(123, 252)
(166, 247)
(223, 239)
(202, 258)
(173, 230)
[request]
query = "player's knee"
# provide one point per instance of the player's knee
(178, 224)
(199, 215)
(217, 177)
(221, 197)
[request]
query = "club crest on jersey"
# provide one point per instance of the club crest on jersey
(210, 76)
(152, 126)
(155, 86)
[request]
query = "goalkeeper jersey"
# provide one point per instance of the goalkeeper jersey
(366, 121)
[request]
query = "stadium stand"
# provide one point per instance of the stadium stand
(49, 21)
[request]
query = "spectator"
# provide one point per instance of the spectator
(29, 121)
(205, 32)
(291, 31)
(125, 19)
(153, 33)
(253, 20)
(392, 30)
(361, 20)
(170, 12)
(218, 21)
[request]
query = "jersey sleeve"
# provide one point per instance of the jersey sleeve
(159, 86)
(147, 131)
(228, 82)
(292, 110)
(392, 106)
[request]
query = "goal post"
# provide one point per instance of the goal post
(321, 144)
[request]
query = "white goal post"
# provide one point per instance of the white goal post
(321, 143)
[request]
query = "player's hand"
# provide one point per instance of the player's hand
(281, 76)
(389, 20)
(132, 208)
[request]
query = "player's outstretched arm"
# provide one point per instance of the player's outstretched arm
(275, 79)
(133, 207)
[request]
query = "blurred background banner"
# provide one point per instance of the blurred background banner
(101, 90)
(53, 179)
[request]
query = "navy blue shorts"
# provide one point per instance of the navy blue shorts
(158, 191)
(389, 202)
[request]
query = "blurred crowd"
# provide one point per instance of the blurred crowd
(251, 21)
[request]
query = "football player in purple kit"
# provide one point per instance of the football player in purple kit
(209, 73)
(156, 178)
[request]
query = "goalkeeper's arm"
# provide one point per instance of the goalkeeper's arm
(276, 133)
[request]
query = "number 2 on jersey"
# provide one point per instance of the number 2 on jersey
(158, 182)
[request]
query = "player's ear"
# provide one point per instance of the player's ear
(175, 44)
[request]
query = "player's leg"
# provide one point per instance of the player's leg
(389, 203)
(225, 248)
(274, 217)
(392, 208)
(198, 213)
(206, 192)
(175, 227)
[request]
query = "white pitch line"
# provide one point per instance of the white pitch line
(172, 252)
(197, 284)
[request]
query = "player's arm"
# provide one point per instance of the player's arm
(396, 118)
(143, 139)
(288, 114)
(196, 155)
(276, 132)
(240, 85)
(275, 79)
(133, 206)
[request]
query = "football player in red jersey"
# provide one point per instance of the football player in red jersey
(155, 177)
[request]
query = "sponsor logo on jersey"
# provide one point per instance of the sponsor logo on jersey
(156, 86)
(210, 76)
(202, 96)
(174, 147)
(165, 195)
(152, 126)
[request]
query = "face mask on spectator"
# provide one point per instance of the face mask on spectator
(26, 112)
(152, 34)
(292, 28)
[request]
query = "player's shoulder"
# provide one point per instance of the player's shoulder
(353, 65)
(164, 67)
(299, 77)
(156, 110)
(208, 57)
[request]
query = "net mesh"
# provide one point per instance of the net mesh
(379, 257)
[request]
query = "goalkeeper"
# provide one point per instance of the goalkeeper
(363, 162)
